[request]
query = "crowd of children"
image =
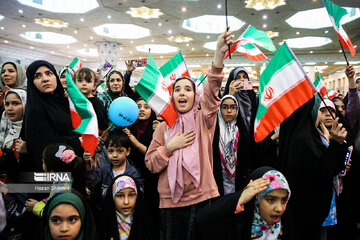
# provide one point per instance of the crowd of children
(205, 177)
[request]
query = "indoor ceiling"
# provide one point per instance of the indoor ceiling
(19, 18)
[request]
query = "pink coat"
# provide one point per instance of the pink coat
(157, 156)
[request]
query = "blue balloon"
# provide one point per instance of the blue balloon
(123, 111)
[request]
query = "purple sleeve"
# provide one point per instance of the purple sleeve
(353, 106)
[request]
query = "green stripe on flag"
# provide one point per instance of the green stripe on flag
(317, 80)
(335, 11)
(169, 66)
(147, 85)
(260, 38)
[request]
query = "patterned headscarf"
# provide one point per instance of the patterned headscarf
(260, 229)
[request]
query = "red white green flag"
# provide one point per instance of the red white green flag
(283, 88)
(153, 89)
(83, 115)
(331, 93)
(320, 86)
(246, 48)
(75, 64)
(173, 69)
(336, 13)
(259, 38)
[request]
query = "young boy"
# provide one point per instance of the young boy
(99, 179)
(85, 81)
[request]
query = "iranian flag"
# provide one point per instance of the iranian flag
(173, 69)
(283, 88)
(331, 93)
(83, 115)
(153, 89)
(246, 48)
(336, 13)
(320, 86)
(75, 64)
(259, 38)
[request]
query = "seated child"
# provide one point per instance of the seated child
(124, 215)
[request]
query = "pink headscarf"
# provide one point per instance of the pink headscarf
(187, 157)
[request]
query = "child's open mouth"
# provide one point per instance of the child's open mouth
(182, 102)
(274, 218)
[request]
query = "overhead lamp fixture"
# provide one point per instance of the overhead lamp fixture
(307, 42)
(89, 52)
(179, 39)
(272, 34)
(1, 17)
(264, 4)
(156, 48)
(144, 12)
(47, 22)
(63, 6)
(48, 37)
(122, 31)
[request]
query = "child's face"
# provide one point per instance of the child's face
(85, 86)
(228, 110)
(13, 107)
(325, 117)
(64, 222)
(340, 107)
(273, 205)
(144, 110)
(63, 80)
(117, 155)
(183, 95)
(115, 83)
(125, 201)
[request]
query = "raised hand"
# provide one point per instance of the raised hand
(338, 132)
(253, 188)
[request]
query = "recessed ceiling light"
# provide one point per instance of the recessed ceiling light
(264, 25)
(121, 48)
(211, 24)
(81, 19)
(340, 50)
(20, 11)
(68, 46)
(326, 31)
(207, 36)
(272, 34)
(260, 5)
(52, 52)
(144, 12)
(193, 49)
(183, 9)
(355, 46)
(48, 37)
(159, 24)
(326, 62)
(210, 45)
(69, 6)
(24, 26)
(179, 39)
(157, 48)
(1, 17)
(315, 18)
(88, 52)
(2, 28)
(140, 58)
(75, 32)
(161, 56)
(84, 59)
(219, 6)
(131, 52)
(91, 37)
(109, 16)
(152, 40)
(311, 51)
(131, 41)
(183, 55)
(307, 42)
(122, 31)
(310, 63)
(297, 33)
(47, 22)
(187, 44)
(169, 31)
(31, 47)
(207, 54)
(6, 41)
(264, 16)
(69, 56)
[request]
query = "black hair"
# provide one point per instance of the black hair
(87, 73)
(9, 165)
(76, 166)
(11, 63)
(117, 138)
(187, 78)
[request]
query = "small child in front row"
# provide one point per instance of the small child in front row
(124, 215)
(99, 179)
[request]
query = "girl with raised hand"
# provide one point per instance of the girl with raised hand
(125, 215)
(182, 154)
(253, 213)
(47, 119)
(67, 216)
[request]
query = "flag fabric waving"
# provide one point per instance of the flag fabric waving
(153, 89)
(283, 88)
(173, 69)
(75, 64)
(336, 13)
(259, 38)
(83, 116)
(246, 48)
(331, 93)
(320, 86)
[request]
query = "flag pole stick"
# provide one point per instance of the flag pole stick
(344, 53)
(227, 28)
(202, 80)
(327, 107)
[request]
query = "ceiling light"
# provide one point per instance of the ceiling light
(219, 6)
(157, 48)
(52, 52)
(310, 63)
(131, 41)
(210, 45)
(307, 42)
(152, 40)
(183, 9)
(6, 41)
(91, 37)
(207, 36)
(169, 31)
(121, 48)
(345, 63)
(179, 39)
(340, 50)
(24, 26)
(84, 59)
(211, 24)
(144, 12)
(355, 46)
(31, 47)
(81, 19)
(47, 22)
(85, 45)
(122, 31)
(159, 24)
(194, 66)
(161, 56)
(131, 52)
(193, 49)
(109, 16)
(264, 25)
(89, 52)
(64, 6)
(48, 37)
(272, 34)
(75, 32)
(1, 17)
(207, 54)
(320, 68)
(317, 18)
(2, 28)
(311, 51)
(264, 4)
(297, 33)
(20, 11)
(264, 16)
(69, 56)
(67, 46)
(326, 31)
(187, 44)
